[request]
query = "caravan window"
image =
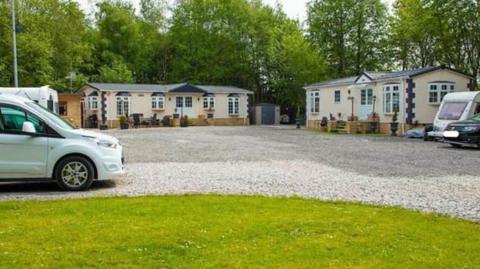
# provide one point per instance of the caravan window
(452, 111)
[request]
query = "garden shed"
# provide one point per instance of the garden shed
(265, 114)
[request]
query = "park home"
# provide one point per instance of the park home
(415, 95)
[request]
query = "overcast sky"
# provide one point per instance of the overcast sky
(294, 8)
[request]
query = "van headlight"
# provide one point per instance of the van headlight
(107, 144)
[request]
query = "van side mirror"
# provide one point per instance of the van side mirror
(28, 128)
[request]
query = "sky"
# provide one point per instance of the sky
(295, 9)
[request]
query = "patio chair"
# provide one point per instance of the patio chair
(136, 120)
(166, 121)
(93, 121)
(154, 121)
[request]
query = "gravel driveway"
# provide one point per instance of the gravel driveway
(430, 177)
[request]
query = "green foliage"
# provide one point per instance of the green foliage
(118, 72)
(51, 43)
(243, 43)
(123, 120)
(395, 117)
(352, 34)
(229, 232)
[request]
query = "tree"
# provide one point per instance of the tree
(153, 12)
(413, 35)
(242, 43)
(122, 36)
(50, 42)
(351, 34)
(117, 72)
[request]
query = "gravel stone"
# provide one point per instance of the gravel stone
(282, 161)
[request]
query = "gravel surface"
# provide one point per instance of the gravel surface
(274, 161)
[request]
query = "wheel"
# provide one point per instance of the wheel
(74, 173)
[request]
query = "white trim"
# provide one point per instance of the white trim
(157, 100)
(123, 99)
(450, 87)
(90, 102)
(389, 90)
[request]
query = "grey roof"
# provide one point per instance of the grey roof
(374, 76)
(223, 89)
(121, 87)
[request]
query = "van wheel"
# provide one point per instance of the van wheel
(74, 174)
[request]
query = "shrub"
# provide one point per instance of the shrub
(395, 117)
(123, 120)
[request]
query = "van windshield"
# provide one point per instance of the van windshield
(51, 116)
(452, 110)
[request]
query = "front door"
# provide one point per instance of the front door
(21, 155)
(366, 104)
(184, 105)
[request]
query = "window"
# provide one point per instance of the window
(123, 105)
(337, 97)
(315, 102)
(188, 101)
(184, 101)
(62, 109)
(209, 102)
(437, 92)
(391, 99)
(179, 101)
(12, 119)
(233, 106)
(93, 102)
(158, 102)
(366, 97)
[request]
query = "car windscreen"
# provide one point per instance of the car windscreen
(452, 110)
(51, 116)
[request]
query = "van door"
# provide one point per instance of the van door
(21, 155)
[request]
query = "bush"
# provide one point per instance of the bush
(395, 117)
(123, 120)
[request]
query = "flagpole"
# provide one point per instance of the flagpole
(14, 28)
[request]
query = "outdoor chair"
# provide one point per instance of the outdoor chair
(166, 121)
(93, 121)
(136, 120)
(154, 121)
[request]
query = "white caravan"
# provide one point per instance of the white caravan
(458, 106)
(36, 144)
(44, 96)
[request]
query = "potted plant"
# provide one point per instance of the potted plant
(394, 124)
(123, 123)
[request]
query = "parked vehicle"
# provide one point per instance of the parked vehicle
(44, 96)
(36, 144)
(458, 106)
(464, 133)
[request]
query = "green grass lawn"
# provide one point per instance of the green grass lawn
(229, 232)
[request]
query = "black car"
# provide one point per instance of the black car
(464, 133)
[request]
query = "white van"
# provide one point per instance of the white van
(44, 96)
(36, 144)
(458, 106)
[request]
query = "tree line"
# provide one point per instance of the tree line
(243, 43)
